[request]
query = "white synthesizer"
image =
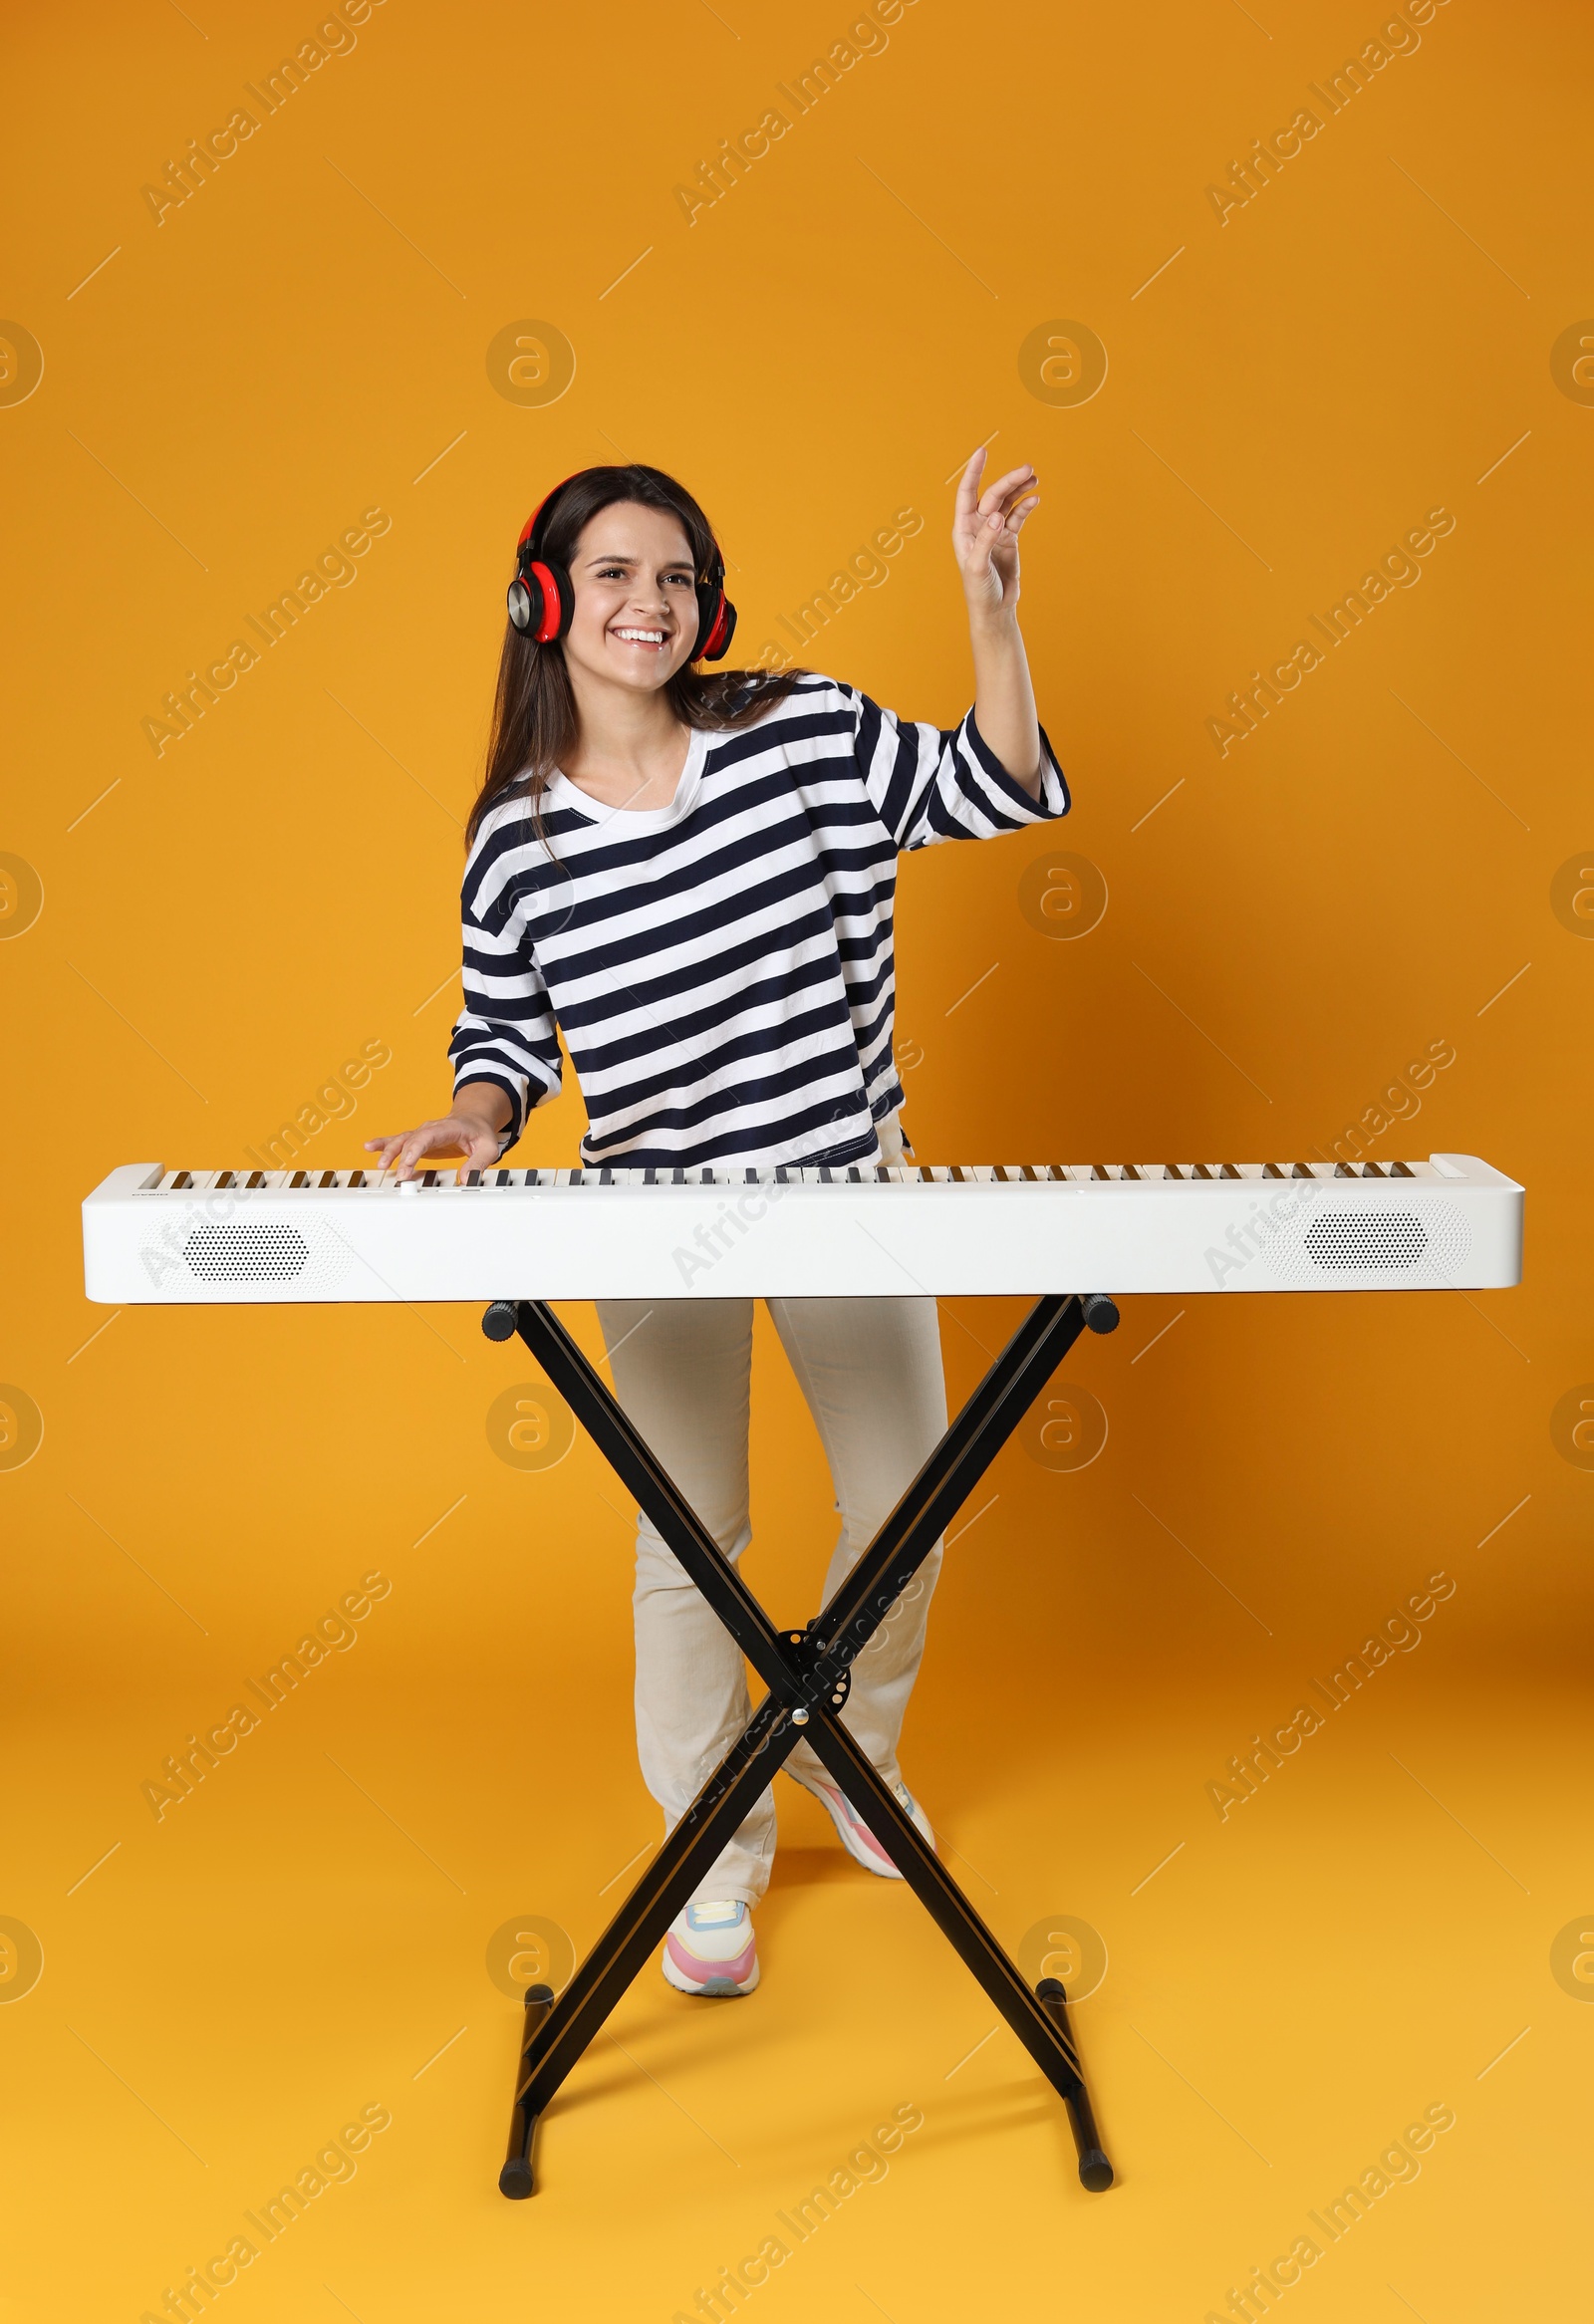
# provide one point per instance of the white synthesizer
(229, 1237)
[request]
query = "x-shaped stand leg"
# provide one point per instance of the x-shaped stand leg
(807, 1675)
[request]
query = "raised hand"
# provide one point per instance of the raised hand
(985, 529)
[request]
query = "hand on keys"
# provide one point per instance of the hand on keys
(454, 1134)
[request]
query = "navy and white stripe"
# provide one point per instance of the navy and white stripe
(722, 969)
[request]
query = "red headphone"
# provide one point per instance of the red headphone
(542, 598)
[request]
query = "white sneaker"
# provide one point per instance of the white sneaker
(710, 1949)
(855, 1837)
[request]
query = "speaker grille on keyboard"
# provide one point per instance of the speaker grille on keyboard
(1392, 1240)
(1420, 1243)
(246, 1254)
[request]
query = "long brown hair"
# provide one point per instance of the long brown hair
(535, 724)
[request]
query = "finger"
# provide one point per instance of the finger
(481, 1152)
(413, 1148)
(1005, 487)
(968, 483)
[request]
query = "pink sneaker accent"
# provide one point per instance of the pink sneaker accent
(712, 1950)
(855, 1837)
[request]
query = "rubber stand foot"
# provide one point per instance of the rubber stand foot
(514, 2181)
(1095, 2172)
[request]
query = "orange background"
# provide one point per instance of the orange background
(1289, 923)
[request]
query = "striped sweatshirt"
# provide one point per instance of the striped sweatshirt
(722, 969)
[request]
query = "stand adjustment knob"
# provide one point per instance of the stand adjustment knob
(1101, 1312)
(499, 1322)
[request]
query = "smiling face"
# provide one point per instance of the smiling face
(636, 619)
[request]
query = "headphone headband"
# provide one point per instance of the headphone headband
(542, 596)
(529, 531)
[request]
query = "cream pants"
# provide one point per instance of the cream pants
(871, 1371)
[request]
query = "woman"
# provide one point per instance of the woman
(690, 876)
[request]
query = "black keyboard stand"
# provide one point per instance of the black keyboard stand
(807, 1673)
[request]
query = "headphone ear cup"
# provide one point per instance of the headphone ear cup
(541, 602)
(525, 604)
(559, 601)
(717, 625)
